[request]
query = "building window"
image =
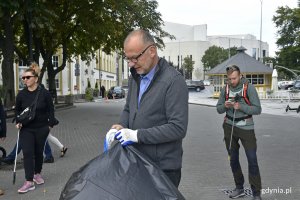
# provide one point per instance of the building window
(22, 63)
(55, 62)
(264, 53)
(255, 78)
(21, 71)
(254, 53)
(225, 79)
(260, 79)
(56, 83)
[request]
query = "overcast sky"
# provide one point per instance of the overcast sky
(225, 17)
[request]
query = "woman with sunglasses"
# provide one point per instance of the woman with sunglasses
(34, 134)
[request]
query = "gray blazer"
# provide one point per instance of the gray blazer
(162, 117)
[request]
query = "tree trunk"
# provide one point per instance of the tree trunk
(51, 78)
(8, 62)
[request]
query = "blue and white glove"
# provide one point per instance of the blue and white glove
(109, 139)
(127, 136)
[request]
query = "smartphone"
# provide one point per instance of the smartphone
(229, 101)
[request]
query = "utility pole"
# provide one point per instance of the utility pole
(260, 50)
(228, 48)
(180, 62)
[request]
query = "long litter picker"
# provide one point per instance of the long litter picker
(229, 149)
(16, 156)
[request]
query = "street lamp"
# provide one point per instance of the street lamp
(228, 47)
(180, 60)
(261, 1)
(100, 74)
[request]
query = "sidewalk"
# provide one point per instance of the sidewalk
(269, 106)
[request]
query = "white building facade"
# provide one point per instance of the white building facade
(102, 69)
(193, 41)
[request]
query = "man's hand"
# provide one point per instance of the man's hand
(127, 136)
(117, 126)
(237, 105)
(228, 104)
(109, 139)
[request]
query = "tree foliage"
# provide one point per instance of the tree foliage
(9, 15)
(287, 21)
(188, 65)
(76, 28)
(215, 55)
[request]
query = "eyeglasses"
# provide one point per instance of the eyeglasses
(135, 59)
(26, 77)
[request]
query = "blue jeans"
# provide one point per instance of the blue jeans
(47, 151)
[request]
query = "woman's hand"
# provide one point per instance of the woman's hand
(18, 125)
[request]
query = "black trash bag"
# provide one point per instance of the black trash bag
(120, 174)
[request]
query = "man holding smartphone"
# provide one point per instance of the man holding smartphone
(239, 100)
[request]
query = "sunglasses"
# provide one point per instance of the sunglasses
(26, 77)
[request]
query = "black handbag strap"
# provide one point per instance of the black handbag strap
(36, 98)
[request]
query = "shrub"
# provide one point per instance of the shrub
(89, 94)
(96, 92)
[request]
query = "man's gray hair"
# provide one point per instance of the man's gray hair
(145, 35)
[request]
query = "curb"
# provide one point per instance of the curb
(201, 104)
(11, 113)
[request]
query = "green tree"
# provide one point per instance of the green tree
(76, 28)
(213, 56)
(89, 84)
(232, 50)
(188, 65)
(287, 21)
(9, 13)
(172, 65)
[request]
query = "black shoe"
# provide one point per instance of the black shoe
(49, 160)
(256, 198)
(7, 161)
(63, 151)
(236, 193)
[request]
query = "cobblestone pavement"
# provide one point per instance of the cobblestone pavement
(205, 170)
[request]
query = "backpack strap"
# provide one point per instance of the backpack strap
(244, 93)
(226, 92)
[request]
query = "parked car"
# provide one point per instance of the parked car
(206, 82)
(195, 85)
(296, 85)
(116, 92)
(125, 87)
(285, 85)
